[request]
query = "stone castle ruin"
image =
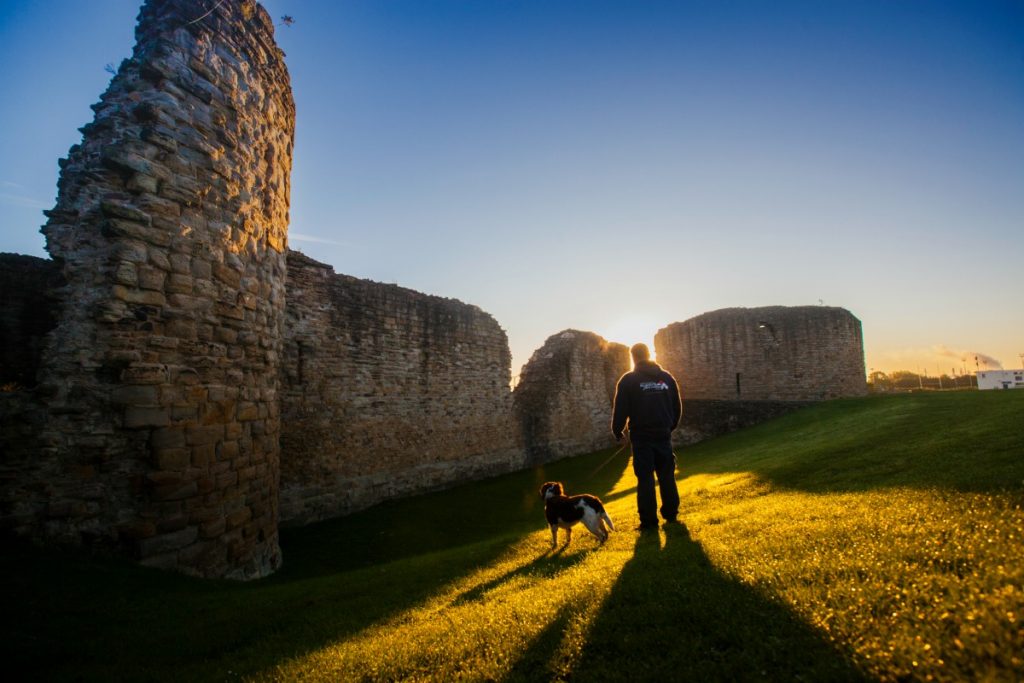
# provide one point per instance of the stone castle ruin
(776, 353)
(177, 384)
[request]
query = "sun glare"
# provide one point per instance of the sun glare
(634, 329)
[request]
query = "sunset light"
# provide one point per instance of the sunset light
(317, 324)
(635, 329)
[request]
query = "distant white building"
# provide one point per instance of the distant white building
(1000, 379)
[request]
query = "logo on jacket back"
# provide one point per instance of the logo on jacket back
(660, 385)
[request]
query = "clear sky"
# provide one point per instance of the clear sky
(619, 166)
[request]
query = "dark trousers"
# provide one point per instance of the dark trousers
(652, 458)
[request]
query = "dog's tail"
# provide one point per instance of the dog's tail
(607, 520)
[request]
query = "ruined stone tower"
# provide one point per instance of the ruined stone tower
(159, 382)
(563, 400)
(774, 353)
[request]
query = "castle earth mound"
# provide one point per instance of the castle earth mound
(158, 385)
(775, 353)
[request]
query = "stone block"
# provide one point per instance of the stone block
(173, 459)
(133, 251)
(151, 278)
(202, 456)
(126, 274)
(136, 395)
(145, 373)
(169, 437)
(202, 269)
(213, 528)
(169, 523)
(226, 480)
(247, 411)
(179, 491)
(136, 531)
(238, 518)
(230, 311)
(180, 284)
(228, 450)
(142, 182)
(162, 543)
(158, 259)
(136, 417)
(199, 436)
(116, 208)
(227, 275)
(181, 263)
(138, 296)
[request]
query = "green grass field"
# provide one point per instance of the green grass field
(869, 539)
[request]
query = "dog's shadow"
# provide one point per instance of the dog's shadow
(551, 562)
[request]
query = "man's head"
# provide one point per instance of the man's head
(640, 353)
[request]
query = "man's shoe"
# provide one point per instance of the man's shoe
(647, 527)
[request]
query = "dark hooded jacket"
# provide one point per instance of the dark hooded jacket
(648, 398)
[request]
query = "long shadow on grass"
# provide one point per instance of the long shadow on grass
(428, 542)
(507, 505)
(71, 617)
(545, 565)
(673, 616)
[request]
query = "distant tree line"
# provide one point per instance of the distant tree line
(906, 380)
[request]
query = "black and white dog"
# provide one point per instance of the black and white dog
(567, 511)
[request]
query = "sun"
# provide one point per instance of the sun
(632, 329)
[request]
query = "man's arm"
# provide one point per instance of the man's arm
(620, 410)
(676, 400)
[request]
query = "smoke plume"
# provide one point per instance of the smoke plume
(983, 360)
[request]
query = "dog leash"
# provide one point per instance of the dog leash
(610, 458)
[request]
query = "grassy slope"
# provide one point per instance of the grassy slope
(875, 538)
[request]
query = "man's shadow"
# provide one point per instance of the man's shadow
(672, 615)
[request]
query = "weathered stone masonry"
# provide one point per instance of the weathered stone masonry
(777, 353)
(386, 391)
(147, 418)
(174, 363)
(564, 397)
(160, 379)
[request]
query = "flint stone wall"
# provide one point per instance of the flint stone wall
(386, 392)
(776, 353)
(564, 396)
(159, 382)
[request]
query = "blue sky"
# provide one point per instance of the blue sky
(618, 166)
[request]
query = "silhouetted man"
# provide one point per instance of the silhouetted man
(647, 399)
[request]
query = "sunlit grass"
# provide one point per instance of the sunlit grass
(870, 539)
(478, 627)
(914, 583)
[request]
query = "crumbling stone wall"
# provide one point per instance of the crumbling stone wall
(160, 380)
(385, 392)
(564, 397)
(774, 353)
(705, 419)
(27, 313)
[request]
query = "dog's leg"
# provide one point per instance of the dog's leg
(554, 535)
(568, 535)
